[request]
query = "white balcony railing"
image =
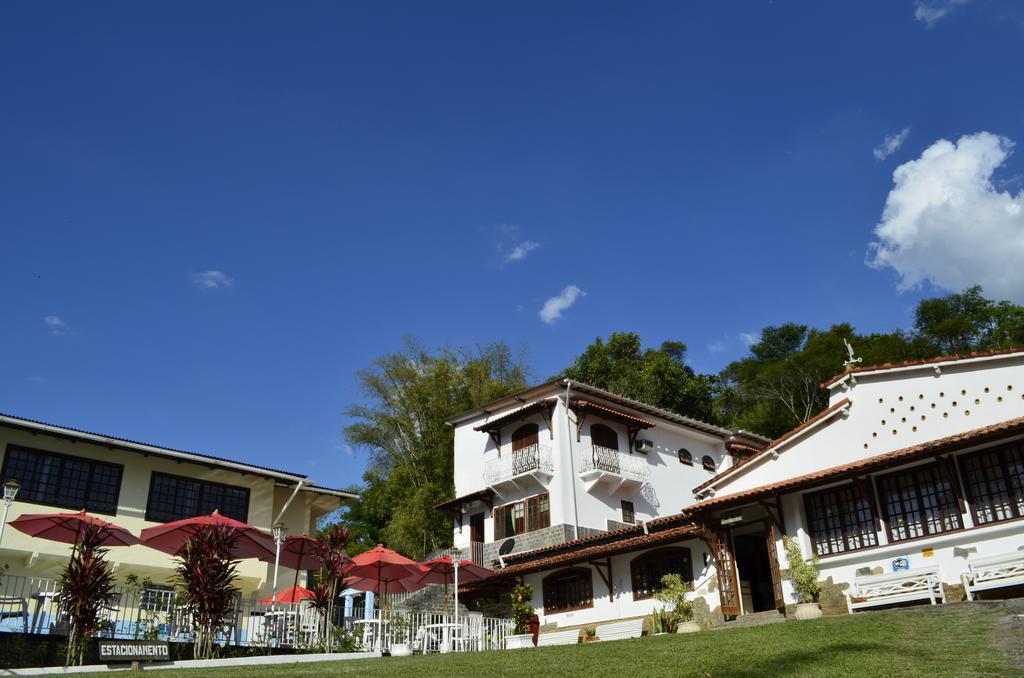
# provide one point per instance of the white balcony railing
(617, 463)
(531, 460)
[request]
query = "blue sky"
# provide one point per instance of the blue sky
(213, 214)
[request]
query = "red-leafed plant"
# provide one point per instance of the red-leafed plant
(86, 588)
(206, 577)
(331, 545)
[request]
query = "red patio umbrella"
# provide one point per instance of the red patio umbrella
(375, 569)
(68, 528)
(290, 596)
(171, 537)
(444, 570)
(385, 585)
(297, 553)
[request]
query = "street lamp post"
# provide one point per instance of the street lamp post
(11, 488)
(280, 531)
(456, 554)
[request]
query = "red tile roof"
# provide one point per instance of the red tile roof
(778, 441)
(951, 443)
(925, 361)
(579, 555)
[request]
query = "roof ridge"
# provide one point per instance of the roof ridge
(922, 361)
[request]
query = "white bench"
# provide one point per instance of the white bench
(993, 572)
(559, 638)
(899, 587)
(633, 628)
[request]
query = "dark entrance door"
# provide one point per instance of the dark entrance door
(758, 568)
(476, 527)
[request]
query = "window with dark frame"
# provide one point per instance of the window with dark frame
(604, 436)
(176, 498)
(919, 502)
(628, 516)
(709, 464)
(63, 480)
(840, 519)
(647, 570)
(568, 590)
(685, 457)
(994, 482)
(533, 513)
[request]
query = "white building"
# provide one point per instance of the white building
(915, 465)
(564, 465)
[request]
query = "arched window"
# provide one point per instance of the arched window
(709, 464)
(568, 590)
(685, 457)
(524, 436)
(647, 570)
(604, 436)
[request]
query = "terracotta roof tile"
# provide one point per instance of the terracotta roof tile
(948, 444)
(925, 361)
(778, 441)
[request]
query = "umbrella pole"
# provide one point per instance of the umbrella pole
(457, 629)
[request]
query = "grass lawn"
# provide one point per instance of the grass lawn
(947, 640)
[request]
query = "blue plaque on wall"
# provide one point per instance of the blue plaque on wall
(900, 564)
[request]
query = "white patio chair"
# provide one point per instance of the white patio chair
(13, 607)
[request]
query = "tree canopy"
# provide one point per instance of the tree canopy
(409, 397)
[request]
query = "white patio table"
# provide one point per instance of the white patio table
(446, 629)
(378, 628)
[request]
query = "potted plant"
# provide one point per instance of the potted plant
(589, 634)
(661, 621)
(674, 592)
(400, 646)
(522, 612)
(804, 575)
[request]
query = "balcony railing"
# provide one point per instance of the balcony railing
(617, 463)
(533, 459)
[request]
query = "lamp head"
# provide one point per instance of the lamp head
(280, 531)
(11, 488)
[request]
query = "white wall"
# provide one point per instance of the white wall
(894, 410)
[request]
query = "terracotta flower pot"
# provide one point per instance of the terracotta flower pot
(807, 611)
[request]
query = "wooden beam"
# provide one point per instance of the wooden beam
(606, 576)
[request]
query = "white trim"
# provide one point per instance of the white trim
(194, 663)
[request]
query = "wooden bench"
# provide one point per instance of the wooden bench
(570, 637)
(993, 572)
(633, 628)
(899, 587)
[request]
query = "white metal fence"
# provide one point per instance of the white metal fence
(30, 605)
(614, 461)
(528, 459)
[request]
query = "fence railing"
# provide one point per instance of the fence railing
(528, 459)
(30, 605)
(474, 552)
(614, 461)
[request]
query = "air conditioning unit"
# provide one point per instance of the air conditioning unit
(643, 446)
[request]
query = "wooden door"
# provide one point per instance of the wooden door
(728, 586)
(773, 564)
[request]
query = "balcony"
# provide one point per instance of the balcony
(613, 470)
(524, 469)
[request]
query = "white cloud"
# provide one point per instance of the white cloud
(55, 324)
(945, 222)
(716, 347)
(211, 280)
(553, 307)
(521, 250)
(891, 144)
(930, 12)
(750, 338)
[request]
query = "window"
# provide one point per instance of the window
(685, 457)
(568, 590)
(840, 519)
(525, 436)
(62, 480)
(604, 436)
(708, 463)
(994, 480)
(527, 515)
(920, 502)
(628, 516)
(647, 570)
(175, 498)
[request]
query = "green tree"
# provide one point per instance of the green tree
(967, 321)
(410, 396)
(658, 377)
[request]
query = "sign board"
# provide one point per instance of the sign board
(900, 564)
(112, 651)
(732, 518)
(927, 553)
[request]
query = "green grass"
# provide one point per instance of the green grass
(950, 640)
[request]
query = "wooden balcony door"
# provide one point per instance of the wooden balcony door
(773, 563)
(728, 586)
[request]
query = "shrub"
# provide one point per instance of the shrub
(673, 592)
(803, 573)
(522, 609)
(662, 621)
(86, 589)
(206, 575)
